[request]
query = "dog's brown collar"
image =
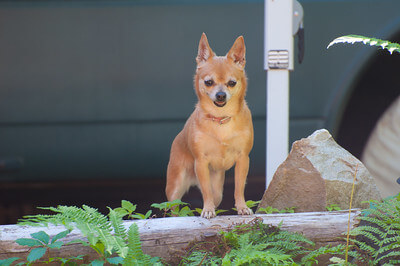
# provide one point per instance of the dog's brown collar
(219, 120)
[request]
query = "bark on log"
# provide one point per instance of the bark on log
(162, 235)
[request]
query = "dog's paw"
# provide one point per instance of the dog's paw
(245, 211)
(208, 213)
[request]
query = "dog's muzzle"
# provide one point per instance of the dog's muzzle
(220, 99)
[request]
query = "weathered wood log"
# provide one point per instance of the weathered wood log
(161, 236)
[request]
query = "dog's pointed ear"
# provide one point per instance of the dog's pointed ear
(205, 51)
(238, 52)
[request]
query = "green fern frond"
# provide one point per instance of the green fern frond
(379, 236)
(135, 255)
(120, 235)
(290, 237)
(389, 46)
(314, 254)
(364, 246)
(256, 257)
(388, 256)
(92, 224)
(261, 244)
(202, 258)
(373, 234)
(395, 262)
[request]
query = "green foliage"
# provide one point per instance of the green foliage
(174, 208)
(333, 207)
(40, 244)
(389, 46)
(128, 209)
(202, 258)
(253, 244)
(379, 232)
(135, 254)
(115, 260)
(141, 216)
(105, 234)
(270, 210)
(247, 252)
(312, 256)
(181, 209)
(375, 242)
(8, 262)
(340, 262)
(135, 250)
(36, 254)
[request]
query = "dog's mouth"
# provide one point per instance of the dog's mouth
(220, 103)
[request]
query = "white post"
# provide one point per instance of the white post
(281, 23)
(277, 120)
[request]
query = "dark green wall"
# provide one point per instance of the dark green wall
(99, 89)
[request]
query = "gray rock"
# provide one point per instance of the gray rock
(317, 173)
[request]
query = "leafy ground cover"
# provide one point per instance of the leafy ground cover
(375, 242)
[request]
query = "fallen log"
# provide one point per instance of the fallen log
(162, 235)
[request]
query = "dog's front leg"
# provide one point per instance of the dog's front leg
(203, 176)
(241, 171)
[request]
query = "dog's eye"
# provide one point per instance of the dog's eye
(231, 83)
(209, 82)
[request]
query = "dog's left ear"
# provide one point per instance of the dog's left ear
(238, 52)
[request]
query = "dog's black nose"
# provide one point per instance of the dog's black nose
(221, 96)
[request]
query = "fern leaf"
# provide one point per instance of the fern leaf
(313, 255)
(392, 254)
(202, 258)
(389, 46)
(364, 246)
(382, 229)
(117, 224)
(92, 224)
(135, 255)
(120, 234)
(255, 257)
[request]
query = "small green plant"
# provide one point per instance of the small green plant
(247, 252)
(9, 261)
(174, 208)
(270, 210)
(105, 234)
(389, 46)
(333, 207)
(376, 241)
(128, 209)
(253, 244)
(379, 232)
(41, 243)
(201, 258)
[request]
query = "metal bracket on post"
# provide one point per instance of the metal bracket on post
(283, 20)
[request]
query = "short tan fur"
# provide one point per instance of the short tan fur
(218, 134)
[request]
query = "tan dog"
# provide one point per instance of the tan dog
(218, 134)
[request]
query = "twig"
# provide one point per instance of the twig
(201, 262)
(348, 223)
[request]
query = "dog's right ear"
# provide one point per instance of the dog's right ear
(205, 51)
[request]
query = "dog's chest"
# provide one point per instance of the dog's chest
(224, 148)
